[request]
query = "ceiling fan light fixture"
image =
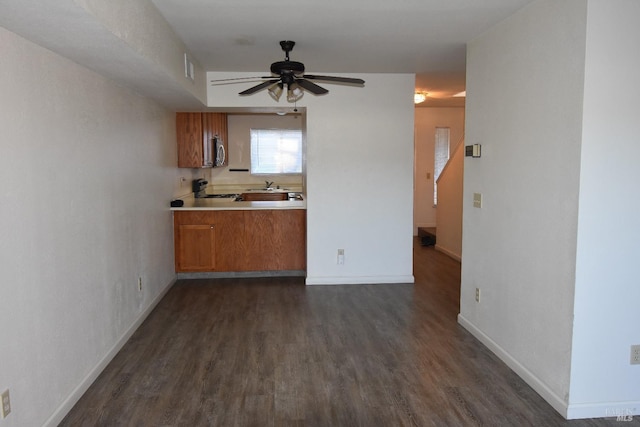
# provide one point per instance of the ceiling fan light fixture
(275, 91)
(419, 97)
(294, 92)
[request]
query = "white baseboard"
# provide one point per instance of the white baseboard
(359, 280)
(448, 253)
(624, 410)
(84, 385)
(539, 386)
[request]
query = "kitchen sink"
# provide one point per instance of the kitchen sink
(219, 196)
(267, 190)
(255, 196)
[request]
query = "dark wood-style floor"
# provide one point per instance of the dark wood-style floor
(274, 352)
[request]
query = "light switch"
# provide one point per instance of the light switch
(477, 200)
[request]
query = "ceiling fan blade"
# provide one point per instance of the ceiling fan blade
(312, 87)
(259, 87)
(347, 80)
(239, 79)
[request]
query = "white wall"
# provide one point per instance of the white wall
(87, 171)
(128, 42)
(359, 176)
(524, 105)
(449, 214)
(140, 26)
(426, 121)
(607, 287)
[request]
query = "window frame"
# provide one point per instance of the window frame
(298, 154)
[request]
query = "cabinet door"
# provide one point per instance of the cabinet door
(189, 134)
(195, 247)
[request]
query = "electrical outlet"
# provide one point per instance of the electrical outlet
(477, 200)
(6, 404)
(635, 354)
(139, 284)
(340, 256)
(182, 181)
(477, 294)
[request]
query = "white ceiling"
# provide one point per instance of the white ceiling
(425, 37)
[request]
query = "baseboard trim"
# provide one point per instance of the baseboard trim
(448, 253)
(624, 411)
(360, 280)
(540, 387)
(241, 274)
(84, 385)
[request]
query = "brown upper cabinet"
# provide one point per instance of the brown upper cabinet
(202, 140)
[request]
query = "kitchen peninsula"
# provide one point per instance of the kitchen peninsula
(219, 236)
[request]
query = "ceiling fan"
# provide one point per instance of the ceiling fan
(290, 74)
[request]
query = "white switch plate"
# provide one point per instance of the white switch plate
(340, 256)
(477, 200)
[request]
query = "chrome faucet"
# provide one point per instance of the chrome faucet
(268, 184)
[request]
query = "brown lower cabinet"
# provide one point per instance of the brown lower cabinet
(252, 240)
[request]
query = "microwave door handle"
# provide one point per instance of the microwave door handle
(221, 155)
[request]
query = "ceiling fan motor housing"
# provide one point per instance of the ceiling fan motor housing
(287, 70)
(287, 67)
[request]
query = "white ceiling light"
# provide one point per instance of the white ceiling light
(275, 90)
(294, 93)
(419, 97)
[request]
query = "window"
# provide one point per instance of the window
(441, 157)
(276, 151)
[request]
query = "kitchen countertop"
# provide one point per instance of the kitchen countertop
(227, 204)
